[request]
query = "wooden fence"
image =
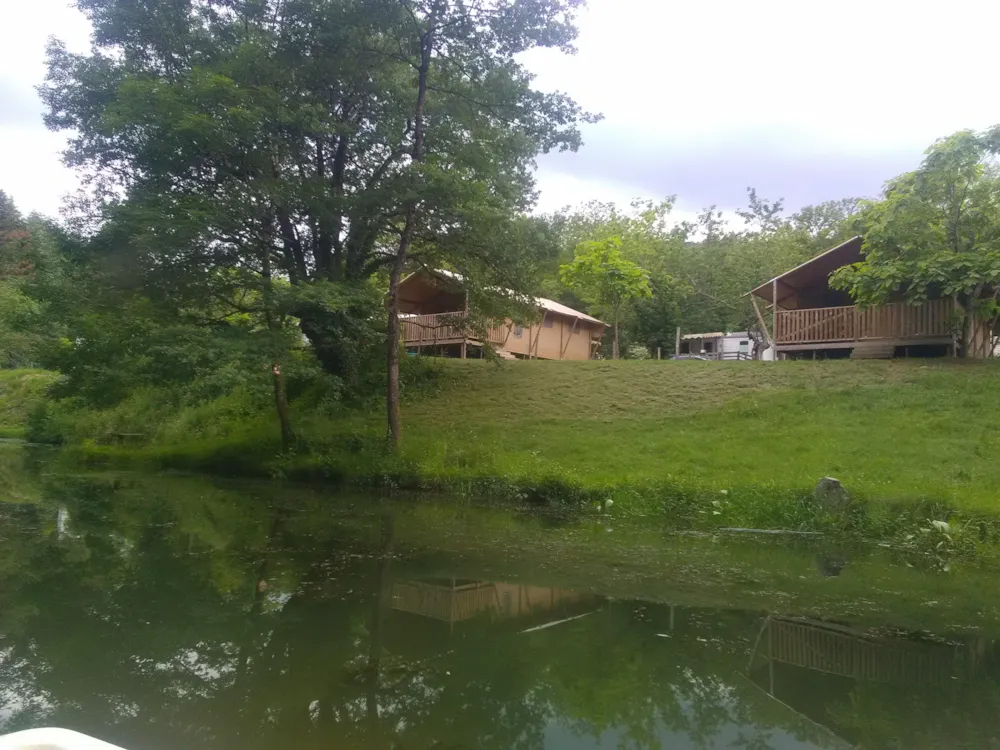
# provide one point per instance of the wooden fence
(835, 324)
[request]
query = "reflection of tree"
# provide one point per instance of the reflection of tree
(875, 715)
(630, 670)
(184, 614)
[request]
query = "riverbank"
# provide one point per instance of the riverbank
(712, 444)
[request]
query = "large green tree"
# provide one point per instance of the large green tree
(320, 142)
(936, 233)
(605, 277)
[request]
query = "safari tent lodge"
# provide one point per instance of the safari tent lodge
(804, 316)
(433, 305)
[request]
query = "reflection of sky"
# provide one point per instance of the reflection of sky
(18, 696)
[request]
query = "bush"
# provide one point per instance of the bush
(637, 351)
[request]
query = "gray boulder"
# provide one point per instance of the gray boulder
(831, 495)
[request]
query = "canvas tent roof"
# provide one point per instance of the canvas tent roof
(545, 304)
(812, 272)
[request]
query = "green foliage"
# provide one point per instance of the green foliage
(21, 393)
(935, 233)
(603, 276)
(699, 271)
(272, 142)
(25, 246)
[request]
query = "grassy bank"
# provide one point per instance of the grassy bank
(712, 443)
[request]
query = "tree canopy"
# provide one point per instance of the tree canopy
(936, 233)
(601, 275)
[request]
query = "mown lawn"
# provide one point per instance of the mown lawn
(893, 430)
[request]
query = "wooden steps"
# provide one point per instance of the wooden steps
(504, 354)
(873, 350)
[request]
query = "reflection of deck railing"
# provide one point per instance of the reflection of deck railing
(442, 603)
(841, 651)
(445, 328)
(839, 324)
(458, 602)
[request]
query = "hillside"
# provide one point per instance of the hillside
(898, 429)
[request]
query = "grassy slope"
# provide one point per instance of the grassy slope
(894, 430)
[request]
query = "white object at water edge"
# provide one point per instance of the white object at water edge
(52, 739)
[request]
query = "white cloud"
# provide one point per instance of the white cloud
(858, 83)
(701, 98)
(30, 167)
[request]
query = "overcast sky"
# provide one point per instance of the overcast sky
(802, 99)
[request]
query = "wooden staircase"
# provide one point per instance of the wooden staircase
(873, 350)
(504, 354)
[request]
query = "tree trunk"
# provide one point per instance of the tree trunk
(406, 239)
(379, 606)
(614, 342)
(392, 353)
(337, 354)
(968, 319)
(281, 402)
(278, 378)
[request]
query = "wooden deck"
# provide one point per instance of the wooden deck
(445, 328)
(840, 327)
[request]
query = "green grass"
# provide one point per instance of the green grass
(709, 444)
(894, 430)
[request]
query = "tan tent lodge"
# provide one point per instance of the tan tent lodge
(433, 304)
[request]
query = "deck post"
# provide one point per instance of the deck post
(465, 324)
(763, 326)
(677, 343)
(774, 314)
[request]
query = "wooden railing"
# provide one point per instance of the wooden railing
(835, 324)
(428, 330)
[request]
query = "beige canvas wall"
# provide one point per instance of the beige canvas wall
(561, 339)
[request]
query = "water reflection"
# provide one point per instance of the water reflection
(174, 613)
(456, 600)
(879, 689)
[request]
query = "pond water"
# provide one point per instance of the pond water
(162, 612)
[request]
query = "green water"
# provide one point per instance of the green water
(162, 612)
